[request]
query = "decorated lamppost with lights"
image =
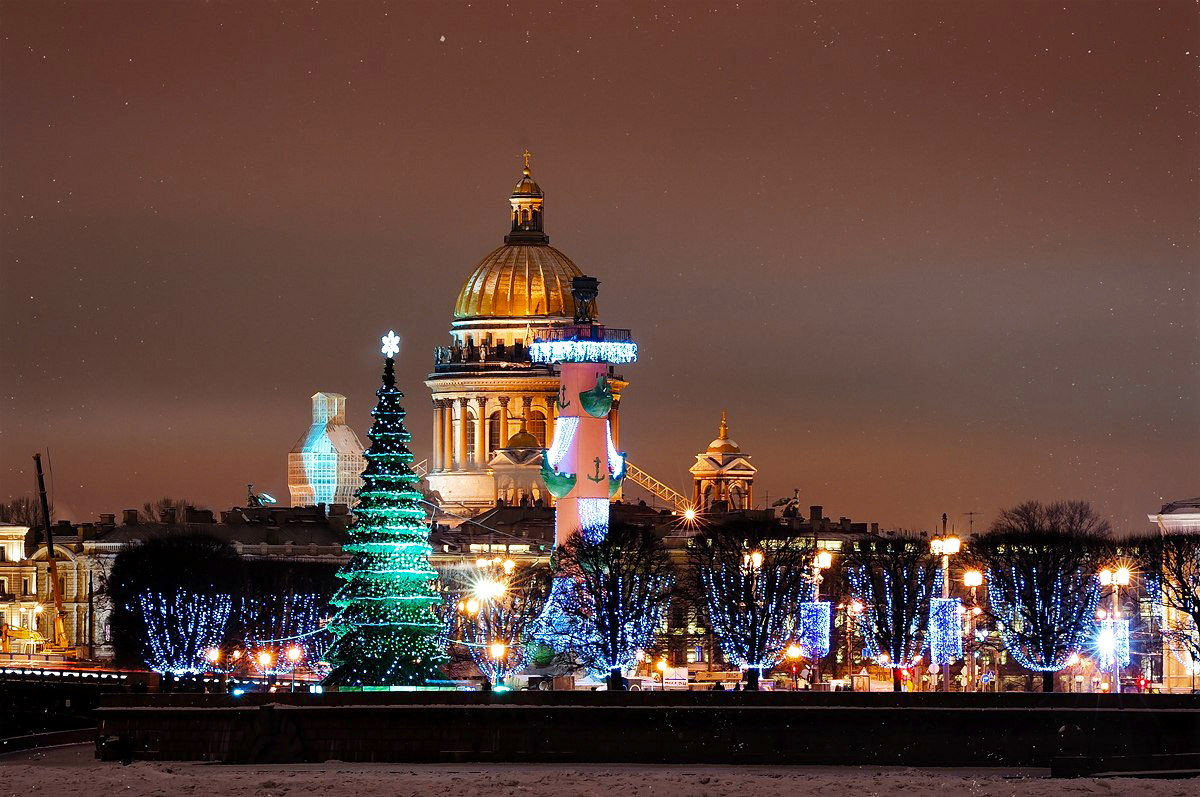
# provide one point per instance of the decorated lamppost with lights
(1112, 633)
(816, 616)
(853, 609)
(945, 613)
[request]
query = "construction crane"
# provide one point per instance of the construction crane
(60, 644)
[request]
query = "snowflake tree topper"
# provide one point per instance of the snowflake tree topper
(391, 344)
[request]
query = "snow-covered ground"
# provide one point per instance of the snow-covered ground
(73, 771)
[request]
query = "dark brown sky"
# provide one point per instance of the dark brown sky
(931, 256)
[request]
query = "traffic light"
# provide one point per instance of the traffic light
(1142, 683)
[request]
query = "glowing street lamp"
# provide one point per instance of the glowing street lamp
(509, 565)
(489, 590)
(498, 649)
(1106, 641)
(293, 655)
(212, 655)
(264, 659)
(662, 673)
(794, 653)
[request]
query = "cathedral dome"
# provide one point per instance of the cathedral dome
(723, 444)
(519, 281)
(527, 277)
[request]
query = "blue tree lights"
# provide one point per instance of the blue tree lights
(608, 598)
(753, 582)
(181, 626)
(896, 580)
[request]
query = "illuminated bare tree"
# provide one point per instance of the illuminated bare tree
(1173, 561)
(895, 578)
(1042, 562)
(610, 594)
(492, 611)
(752, 579)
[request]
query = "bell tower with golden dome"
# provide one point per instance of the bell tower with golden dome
(723, 475)
(484, 384)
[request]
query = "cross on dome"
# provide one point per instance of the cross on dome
(527, 155)
(391, 344)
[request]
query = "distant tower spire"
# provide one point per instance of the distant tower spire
(526, 209)
(723, 434)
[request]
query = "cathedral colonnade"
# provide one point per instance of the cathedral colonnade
(469, 428)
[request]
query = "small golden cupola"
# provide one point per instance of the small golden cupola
(723, 445)
(527, 220)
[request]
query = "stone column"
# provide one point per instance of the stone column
(551, 417)
(435, 455)
(448, 434)
(614, 420)
(526, 404)
(481, 453)
(503, 421)
(463, 418)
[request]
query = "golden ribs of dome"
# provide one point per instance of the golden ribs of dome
(519, 282)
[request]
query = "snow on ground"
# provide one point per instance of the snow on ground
(73, 771)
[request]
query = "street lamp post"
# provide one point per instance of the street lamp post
(752, 564)
(822, 561)
(1116, 579)
(793, 654)
(498, 651)
(662, 674)
(947, 547)
(853, 610)
(974, 580)
(294, 653)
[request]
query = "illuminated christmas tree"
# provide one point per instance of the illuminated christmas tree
(387, 632)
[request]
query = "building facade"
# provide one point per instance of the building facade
(484, 384)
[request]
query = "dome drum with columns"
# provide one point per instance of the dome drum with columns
(484, 385)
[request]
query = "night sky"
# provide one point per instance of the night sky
(932, 257)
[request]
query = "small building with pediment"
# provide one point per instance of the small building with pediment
(723, 478)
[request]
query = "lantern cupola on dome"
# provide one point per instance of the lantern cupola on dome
(527, 219)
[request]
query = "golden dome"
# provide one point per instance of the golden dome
(523, 439)
(526, 277)
(519, 281)
(723, 444)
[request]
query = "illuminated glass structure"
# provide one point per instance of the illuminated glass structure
(325, 465)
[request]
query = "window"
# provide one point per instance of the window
(3, 585)
(25, 587)
(537, 426)
(494, 431)
(470, 435)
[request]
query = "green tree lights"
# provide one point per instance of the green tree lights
(386, 629)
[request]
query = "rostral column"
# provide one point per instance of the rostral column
(582, 468)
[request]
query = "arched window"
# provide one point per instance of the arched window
(537, 426)
(470, 435)
(737, 499)
(494, 431)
